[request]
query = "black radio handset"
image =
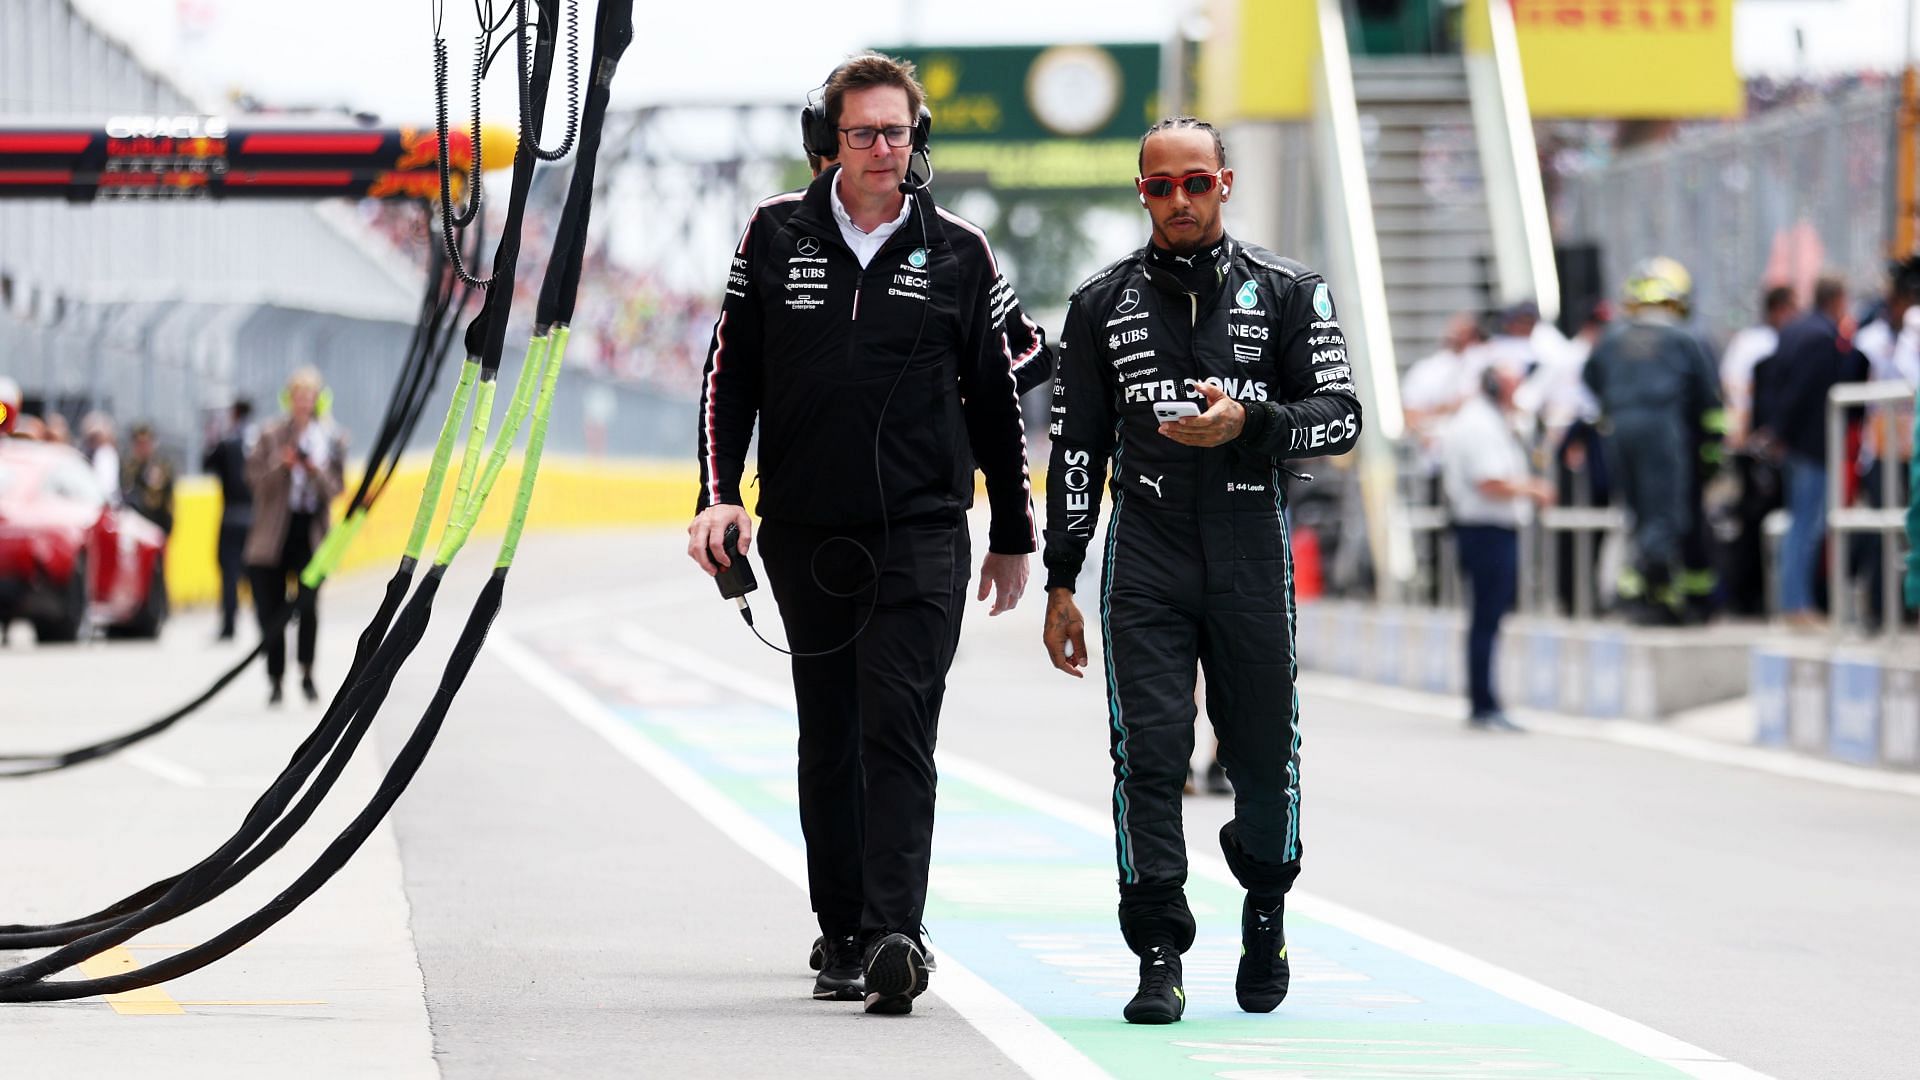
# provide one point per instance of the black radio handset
(736, 578)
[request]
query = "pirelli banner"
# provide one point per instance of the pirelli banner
(1628, 59)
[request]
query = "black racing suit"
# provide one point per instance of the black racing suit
(904, 367)
(1197, 563)
(1659, 394)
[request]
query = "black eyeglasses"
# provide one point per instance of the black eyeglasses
(861, 138)
(1161, 187)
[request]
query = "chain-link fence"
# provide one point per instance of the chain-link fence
(1785, 195)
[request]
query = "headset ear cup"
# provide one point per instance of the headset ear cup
(923, 130)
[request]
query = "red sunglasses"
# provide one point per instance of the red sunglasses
(1161, 187)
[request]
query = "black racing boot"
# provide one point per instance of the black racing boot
(896, 974)
(1261, 983)
(1160, 999)
(840, 978)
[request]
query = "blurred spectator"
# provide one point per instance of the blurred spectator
(1913, 516)
(1490, 492)
(1790, 416)
(98, 443)
(296, 468)
(1755, 478)
(1439, 382)
(1431, 390)
(1571, 416)
(226, 459)
(1890, 342)
(146, 479)
(1522, 342)
(1744, 352)
(58, 430)
(1659, 398)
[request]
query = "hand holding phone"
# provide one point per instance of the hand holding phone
(1169, 411)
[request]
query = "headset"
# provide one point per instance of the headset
(819, 138)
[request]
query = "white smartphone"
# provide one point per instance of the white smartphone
(1169, 411)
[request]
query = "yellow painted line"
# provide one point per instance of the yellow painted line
(149, 1001)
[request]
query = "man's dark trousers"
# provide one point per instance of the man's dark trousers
(869, 713)
(1490, 555)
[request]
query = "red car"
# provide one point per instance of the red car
(69, 557)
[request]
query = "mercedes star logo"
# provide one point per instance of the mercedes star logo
(1129, 300)
(808, 246)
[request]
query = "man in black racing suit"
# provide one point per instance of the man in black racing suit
(1197, 565)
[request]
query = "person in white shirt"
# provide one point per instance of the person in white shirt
(1891, 344)
(1491, 492)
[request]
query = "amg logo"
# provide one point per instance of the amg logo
(1126, 318)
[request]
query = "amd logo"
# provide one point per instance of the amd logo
(166, 127)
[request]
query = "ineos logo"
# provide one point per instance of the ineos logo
(808, 246)
(1077, 479)
(1129, 300)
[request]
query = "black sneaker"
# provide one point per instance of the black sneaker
(926, 950)
(817, 958)
(840, 977)
(896, 974)
(1261, 984)
(1160, 999)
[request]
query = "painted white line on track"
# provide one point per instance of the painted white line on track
(172, 772)
(1631, 1034)
(1019, 1034)
(1634, 733)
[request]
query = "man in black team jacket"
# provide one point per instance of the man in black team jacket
(1197, 564)
(865, 328)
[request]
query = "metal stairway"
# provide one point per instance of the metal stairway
(1429, 199)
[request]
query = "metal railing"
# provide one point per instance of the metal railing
(1888, 520)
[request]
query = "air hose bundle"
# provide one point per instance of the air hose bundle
(397, 628)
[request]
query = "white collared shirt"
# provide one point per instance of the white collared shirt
(865, 245)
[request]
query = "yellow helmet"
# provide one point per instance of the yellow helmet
(1659, 280)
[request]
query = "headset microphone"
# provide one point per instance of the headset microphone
(912, 183)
